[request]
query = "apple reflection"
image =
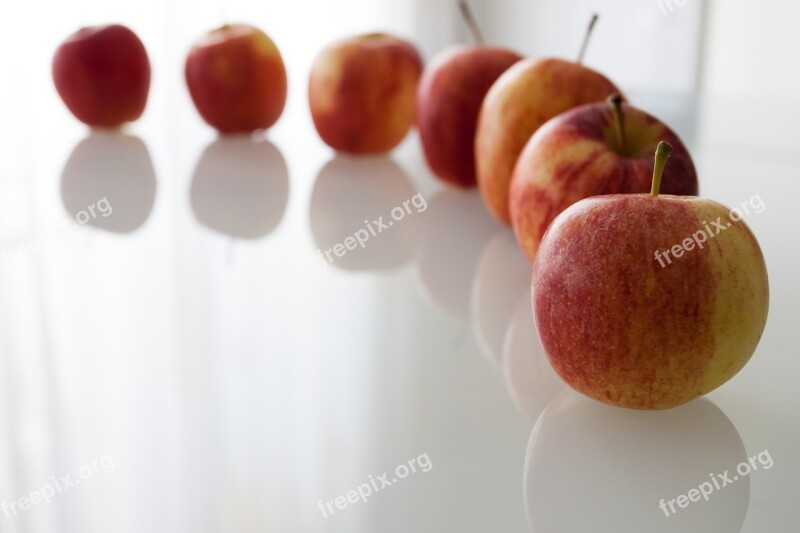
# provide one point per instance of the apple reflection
(502, 277)
(349, 195)
(109, 182)
(453, 237)
(240, 187)
(530, 379)
(595, 467)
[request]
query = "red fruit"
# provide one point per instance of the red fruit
(361, 92)
(237, 79)
(102, 74)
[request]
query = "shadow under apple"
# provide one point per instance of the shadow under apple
(240, 187)
(452, 239)
(530, 379)
(596, 467)
(114, 166)
(350, 193)
(502, 276)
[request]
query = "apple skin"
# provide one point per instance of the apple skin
(620, 328)
(449, 98)
(102, 73)
(526, 96)
(361, 91)
(237, 79)
(576, 155)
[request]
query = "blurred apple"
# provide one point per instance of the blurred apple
(361, 92)
(102, 74)
(526, 96)
(602, 148)
(449, 99)
(647, 301)
(237, 80)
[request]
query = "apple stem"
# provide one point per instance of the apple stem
(662, 153)
(586, 37)
(472, 24)
(615, 101)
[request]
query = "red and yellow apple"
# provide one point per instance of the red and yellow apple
(102, 74)
(526, 96)
(449, 98)
(601, 148)
(361, 92)
(646, 301)
(450, 95)
(236, 78)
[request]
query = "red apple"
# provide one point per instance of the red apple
(646, 301)
(361, 92)
(102, 74)
(449, 99)
(602, 148)
(526, 96)
(237, 80)
(450, 94)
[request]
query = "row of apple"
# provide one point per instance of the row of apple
(476, 108)
(361, 89)
(549, 143)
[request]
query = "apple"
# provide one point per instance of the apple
(361, 92)
(646, 301)
(449, 99)
(237, 79)
(526, 96)
(102, 73)
(601, 148)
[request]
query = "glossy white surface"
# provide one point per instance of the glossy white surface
(195, 337)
